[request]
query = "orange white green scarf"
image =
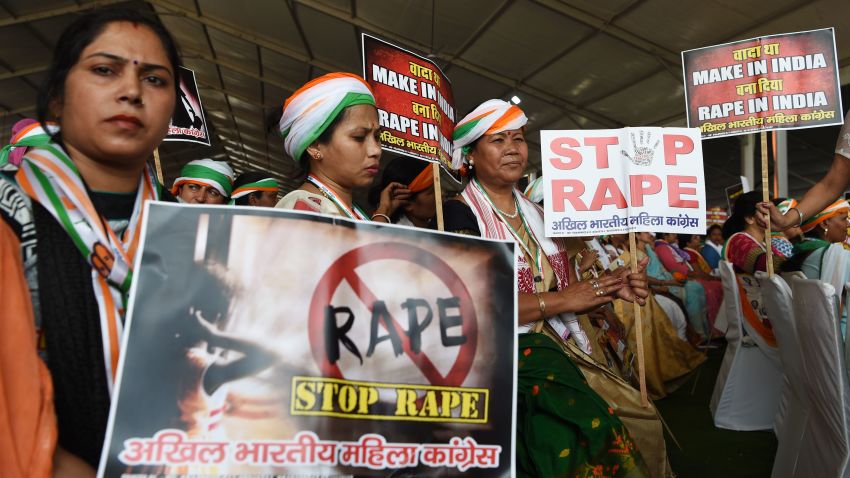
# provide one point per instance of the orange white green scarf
(49, 176)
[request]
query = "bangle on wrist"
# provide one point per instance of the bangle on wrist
(541, 304)
(800, 213)
(383, 216)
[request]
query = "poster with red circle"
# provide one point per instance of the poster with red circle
(265, 342)
(786, 81)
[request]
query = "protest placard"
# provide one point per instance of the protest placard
(188, 122)
(263, 342)
(785, 81)
(716, 215)
(623, 180)
(735, 191)
(414, 99)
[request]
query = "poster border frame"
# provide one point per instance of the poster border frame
(840, 116)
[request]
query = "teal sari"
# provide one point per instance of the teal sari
(692, 294)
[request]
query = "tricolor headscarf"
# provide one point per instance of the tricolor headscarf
(311, 109)
(26, 133)
(534, 191)
(834, 209)
(786, 205)
(491, 117)
(266, 184)
(206, 172)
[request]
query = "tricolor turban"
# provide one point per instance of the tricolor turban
(206, 172)
(534, 191)
(311, 109)
(834, 209)
(265, 184)
(491, 117)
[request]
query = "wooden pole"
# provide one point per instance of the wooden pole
(438, 195)
(638, 326)
(158, 166)
(765, 196)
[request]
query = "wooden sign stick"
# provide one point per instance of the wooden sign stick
(438, 195)
(638, 325)
(765, 196)
(158, 166)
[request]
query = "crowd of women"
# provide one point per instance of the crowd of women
(77, 178)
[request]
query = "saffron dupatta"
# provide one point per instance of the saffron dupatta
(48, 176)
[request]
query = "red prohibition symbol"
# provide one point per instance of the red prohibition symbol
(345, 268)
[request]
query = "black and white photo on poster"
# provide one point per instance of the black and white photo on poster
(188, 122)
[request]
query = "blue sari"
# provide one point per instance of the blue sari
(711, 255)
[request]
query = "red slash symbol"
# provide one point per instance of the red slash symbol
(343, 269)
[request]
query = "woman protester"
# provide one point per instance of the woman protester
(255, 188)
(745, 238)
(745, 250)
(420, 208)
(713, 245)
(330, 126)
(80, 192)
(689, 294)
(677, 262)
(671, 309)
(667, 354)
(691, 244)
(822, 255)
(563, 426)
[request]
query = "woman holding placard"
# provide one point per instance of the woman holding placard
(745, 241)
(330, 126)
(79, 195)
(563, 426)
(745, 237)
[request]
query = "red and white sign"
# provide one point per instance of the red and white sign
(414, 99)
(786, 81)
(620, 180)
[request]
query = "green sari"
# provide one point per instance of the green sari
(564, 428)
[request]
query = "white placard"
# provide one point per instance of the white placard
(619, 180)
